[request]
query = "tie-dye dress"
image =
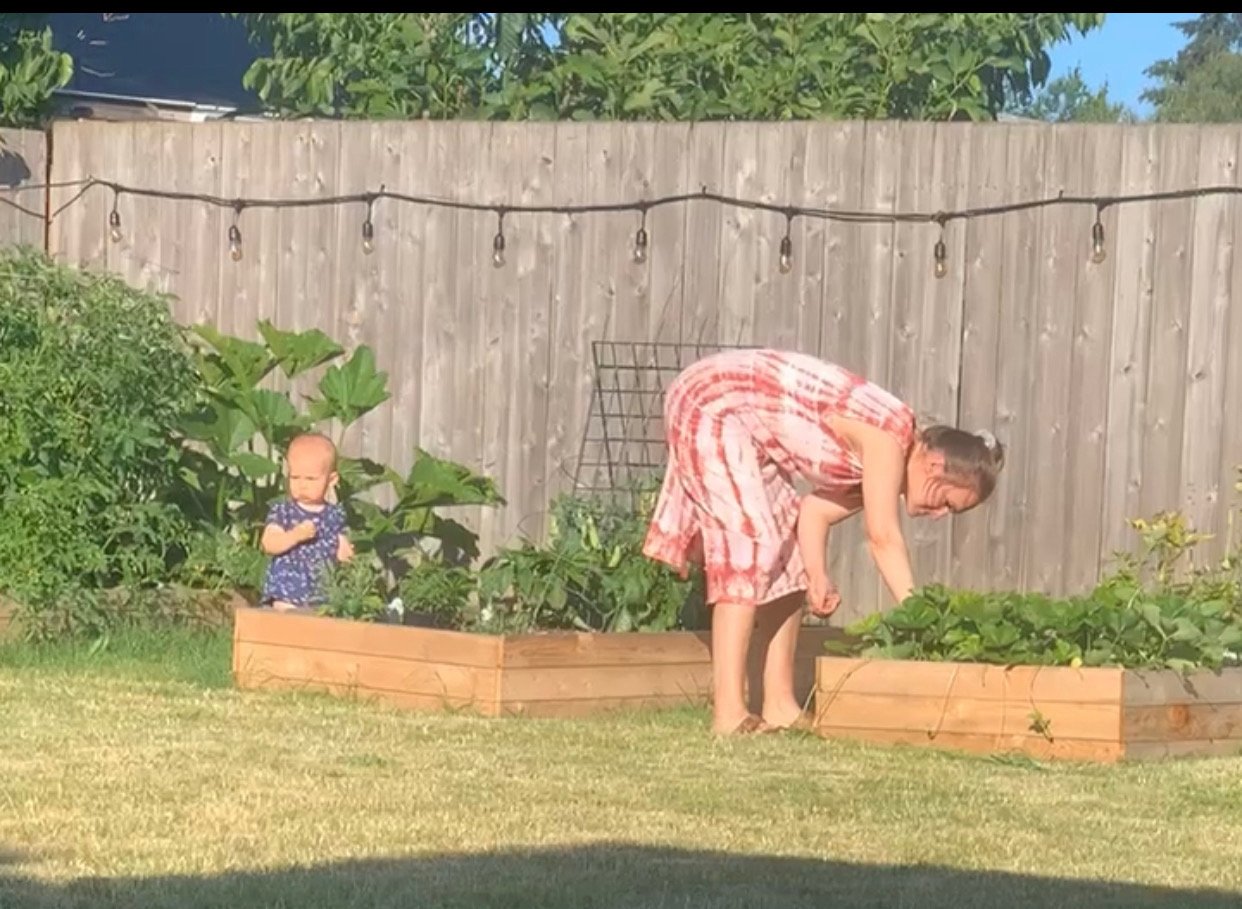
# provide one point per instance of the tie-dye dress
(740, 426)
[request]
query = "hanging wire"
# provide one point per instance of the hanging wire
(704, 196)
(642, 241)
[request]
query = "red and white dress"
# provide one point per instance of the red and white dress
(741, 425)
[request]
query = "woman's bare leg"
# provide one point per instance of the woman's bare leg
(777, 631)
(781, 620)
(731, 633)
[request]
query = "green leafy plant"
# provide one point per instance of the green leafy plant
(356, 590)
(591, 575)
(233, 461)
(94, 377)
(654, 66)
(440, 594)
(31, 69)
(1153, 611)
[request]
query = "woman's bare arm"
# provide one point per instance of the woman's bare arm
(817, 513)
(884, 472)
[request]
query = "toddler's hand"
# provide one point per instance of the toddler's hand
(344, 549)
(305, 531)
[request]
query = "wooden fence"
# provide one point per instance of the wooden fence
(1108, 382)
(23, 162)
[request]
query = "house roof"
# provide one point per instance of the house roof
(171, 58)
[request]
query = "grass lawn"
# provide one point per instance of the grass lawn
(134, 776)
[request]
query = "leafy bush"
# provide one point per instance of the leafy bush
(31, 70)
(95, 378)
(1152, 612)
(653, 66)
(232, 465)
(591, 576)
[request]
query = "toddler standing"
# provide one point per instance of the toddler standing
(304, 533)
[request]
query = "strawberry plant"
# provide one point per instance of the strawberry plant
(1150, 613)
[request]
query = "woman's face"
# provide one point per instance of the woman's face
(929, 492)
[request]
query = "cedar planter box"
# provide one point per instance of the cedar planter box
(1090, 714)
(553, 674)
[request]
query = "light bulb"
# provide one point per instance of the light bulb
(368, 237)
(1098, 253)
(114, 221)
(941, 255)
(640, 246)
(235, 248)
(786, 254)
(498, 250)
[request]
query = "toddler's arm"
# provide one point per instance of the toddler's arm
(277, 541)
(344, 549)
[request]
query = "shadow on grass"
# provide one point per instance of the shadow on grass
(600, 875)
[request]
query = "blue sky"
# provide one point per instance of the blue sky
(1119, 52)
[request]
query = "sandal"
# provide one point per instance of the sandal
(752, 725)
(804, 723)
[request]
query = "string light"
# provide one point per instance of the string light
(786, 260)
(114, 220)
(368, 226)
(941, 253)
(498, 241)
(368, 229)
(640, 238)
(235, 237)
(1098, 252)
(641, 245)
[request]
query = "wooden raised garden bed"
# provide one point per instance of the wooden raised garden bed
(554, 674)
(1090, 714)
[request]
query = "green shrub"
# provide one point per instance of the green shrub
(233, 465)
(591, 576)
(1153, 612)
(95, 376)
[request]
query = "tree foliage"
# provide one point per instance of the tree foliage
(654, 66)
(1203, 83)
(30, 69)
(389, 65)
(1068, 99)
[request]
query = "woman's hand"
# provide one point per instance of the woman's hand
(822, 597)
(818, 512)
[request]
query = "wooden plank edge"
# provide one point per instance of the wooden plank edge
(1061, 749)
(352, 693)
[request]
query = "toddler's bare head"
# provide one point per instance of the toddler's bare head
(311, 463)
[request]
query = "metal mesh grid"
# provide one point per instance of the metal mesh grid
(623, 446)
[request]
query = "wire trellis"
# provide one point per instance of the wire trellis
(623, 445)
